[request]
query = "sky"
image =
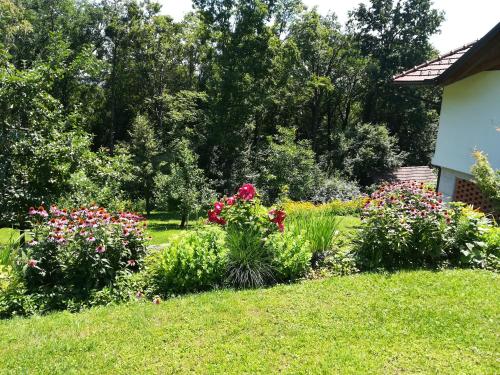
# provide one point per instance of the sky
(466, 20)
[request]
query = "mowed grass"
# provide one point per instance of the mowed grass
(410, 322)
(8, 235)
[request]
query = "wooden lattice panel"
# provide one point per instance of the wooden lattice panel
(469, 193)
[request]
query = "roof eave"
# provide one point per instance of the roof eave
(425, 82)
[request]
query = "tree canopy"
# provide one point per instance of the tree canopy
(239, 88)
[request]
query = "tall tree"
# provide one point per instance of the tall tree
(396, 34)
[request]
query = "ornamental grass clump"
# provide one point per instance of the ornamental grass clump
(403, 226)
(75, 252)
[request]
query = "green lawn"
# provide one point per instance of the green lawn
(414, 322)
(162, 227)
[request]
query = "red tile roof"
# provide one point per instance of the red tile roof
(431, 70)
(420, 174)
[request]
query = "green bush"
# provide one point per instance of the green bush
(287, 164)
(492, 249)
(336, 188)
(371, 153)
(487, 179)
(194, 262)
(291, 255)
(470, 239)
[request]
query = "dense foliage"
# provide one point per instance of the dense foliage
(487, 179)
(107, 100)
(72, 255)
(407, 225)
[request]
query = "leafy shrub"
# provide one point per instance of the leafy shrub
(337, 189)
(492, 249)
(291, 255)
(403, 226)
(194, 262)
(185, 188)
(75, 252)
(285, 163)
(470, 239)
(101, 180)
(487, 179)
(337, 262)
(372, 152)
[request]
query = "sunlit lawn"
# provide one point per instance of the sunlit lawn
(410, 322)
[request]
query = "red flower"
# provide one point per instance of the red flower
(246, 192)
(278, 217)
(212, 216)
(218, 206)
(230, 201)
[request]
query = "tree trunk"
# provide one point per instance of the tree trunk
(184, 221)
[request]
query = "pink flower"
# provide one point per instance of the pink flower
(246, 192)
(131, 262)
(218, 206)
(91, 239)
(139, 295)
(33, 243)
(32, 211)
(230, 201)
(100, 249)
(32, 263)
(41, 211)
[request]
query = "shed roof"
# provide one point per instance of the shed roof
(417, 173)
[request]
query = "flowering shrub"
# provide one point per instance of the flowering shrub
(259, 252)
(245, 211)
(407, 225)
(403, 226)
(81, 250)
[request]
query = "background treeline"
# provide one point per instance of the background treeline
(112, 102)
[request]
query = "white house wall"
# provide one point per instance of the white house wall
(470, 120)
